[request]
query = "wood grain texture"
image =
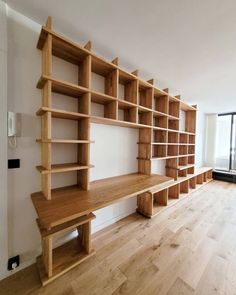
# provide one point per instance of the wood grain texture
(72, 202)
(188, 249)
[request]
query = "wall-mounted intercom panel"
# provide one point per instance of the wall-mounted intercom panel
(14, 124)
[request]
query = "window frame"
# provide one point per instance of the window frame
(233, 116)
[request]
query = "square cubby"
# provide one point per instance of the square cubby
(144, 117)
(160, 198)
(184, 187)
(145, 96)
(127, 114)
(71, 70)
(190, 170)
(172, 150)
(104, 78)
(161, 103)
(173, 124)
(173, 137)
(192, 182)
(183, 138)
(183, 149)
(191, 139)
(191, 160)
(174, 108)
(159, 136)
(191, 149)
(183, 161)
(160, 121)
(182, 173)
(174, 191)
(128, 87)
(159, 151)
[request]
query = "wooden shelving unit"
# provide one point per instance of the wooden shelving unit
(140, 104)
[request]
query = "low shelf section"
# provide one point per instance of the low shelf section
(154, 201)
(56, 261)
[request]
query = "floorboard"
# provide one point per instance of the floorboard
(190, 248)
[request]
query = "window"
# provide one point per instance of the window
(226, 142)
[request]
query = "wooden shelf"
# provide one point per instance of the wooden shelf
(58, 168)
(182, 167)
(101, 98)
(101, 120)
(64, 141)
(144, 106)
(185, 107)
(61, 114)
(62, 87)
(65, 258)
(65, 227)
(73, 202)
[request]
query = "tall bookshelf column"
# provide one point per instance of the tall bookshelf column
(84, 105)
(145, 100)
(47, 116)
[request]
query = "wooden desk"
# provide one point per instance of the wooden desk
(71, 202)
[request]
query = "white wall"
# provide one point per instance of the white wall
(3, 141)
(200, 138)
(24, 70)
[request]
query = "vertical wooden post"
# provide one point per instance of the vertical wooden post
(47, 254)
(87, 236)
(84, 236)
(111, 88)
(84, 103)
(47, 117)
(145, 150)
(145, 204)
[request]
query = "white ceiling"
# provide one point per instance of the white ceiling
(186, 45)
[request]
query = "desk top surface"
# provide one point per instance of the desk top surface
(72, 202)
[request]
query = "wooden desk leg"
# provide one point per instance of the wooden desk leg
(86, 242)
(47, 254)
(84, 236)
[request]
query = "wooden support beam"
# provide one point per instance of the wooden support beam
(49, 23)
(47, 254)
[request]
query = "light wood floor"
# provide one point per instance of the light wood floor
(190, 248)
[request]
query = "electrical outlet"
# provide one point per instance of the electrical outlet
(13, 163)
(13, 262)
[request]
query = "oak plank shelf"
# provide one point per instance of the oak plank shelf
(168, 157)
(185, 167)
(56, 113)
(63, 141)
(62, 228)
(170, 193)
(140, 104)
(62, 87)
(73, 202)
(58, 168)
(101, 120)
(65, 257)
